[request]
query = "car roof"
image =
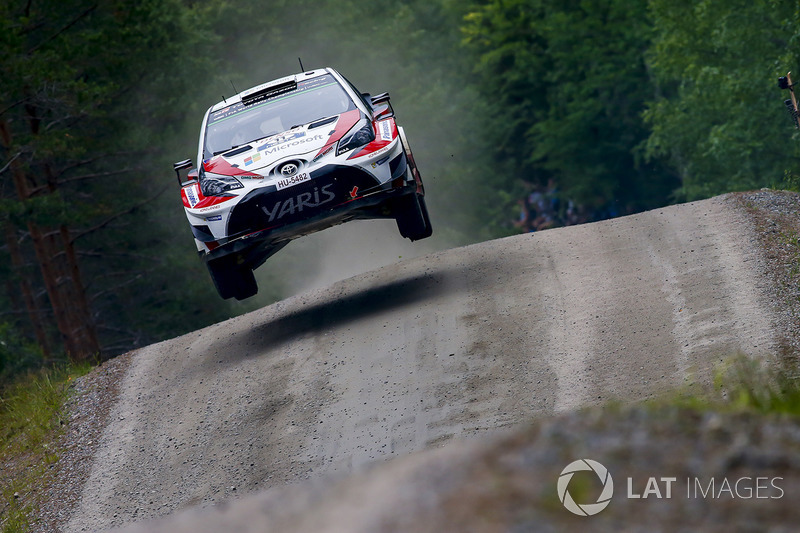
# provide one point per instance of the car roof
(294, 77)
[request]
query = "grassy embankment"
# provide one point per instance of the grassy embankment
(31, 417)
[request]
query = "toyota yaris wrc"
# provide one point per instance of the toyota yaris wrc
(291, 157)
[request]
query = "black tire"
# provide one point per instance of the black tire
(231, 279)
(412, 217)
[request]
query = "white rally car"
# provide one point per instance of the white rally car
(291, 157)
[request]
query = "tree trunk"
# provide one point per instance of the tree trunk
(81, 315)
(58, 264)
(25, 290)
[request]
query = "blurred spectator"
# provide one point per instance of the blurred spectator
(544, 207)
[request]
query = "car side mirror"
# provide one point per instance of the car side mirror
(186, 164)
(382, 106)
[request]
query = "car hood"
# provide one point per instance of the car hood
(306, 142)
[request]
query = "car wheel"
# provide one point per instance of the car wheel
(412, 217)
(231, 279)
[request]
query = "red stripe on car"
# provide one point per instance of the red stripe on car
(347, 120)
(379, 142)
(218, 165)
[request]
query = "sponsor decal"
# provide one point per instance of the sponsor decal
(280, 139)
(285, 183)
(274, 148)
(191, 195)
(297, 203)
(376, 164)
(354, 192)
(386, 130)
(214, 218)
(323, 152)
(255, 158)
(379, 152)
(213, 207)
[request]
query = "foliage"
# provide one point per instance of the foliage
(719, 117)
(17, 354)
(617, 105)
(750, 385)
(30, 408)
(742, 384)
(568, 83)
(90, 97)
(31, 411)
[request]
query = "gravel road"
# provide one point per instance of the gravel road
(407, 357)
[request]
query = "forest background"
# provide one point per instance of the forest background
(523, 115)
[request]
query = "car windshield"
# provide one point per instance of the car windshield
(238, 124)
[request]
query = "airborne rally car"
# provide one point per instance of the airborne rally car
(291, 157)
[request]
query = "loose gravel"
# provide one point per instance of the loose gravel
(89, 407)
(764, 219)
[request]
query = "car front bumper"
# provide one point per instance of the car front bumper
(351, 194)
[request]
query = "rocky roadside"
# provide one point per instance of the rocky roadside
(88, 409)
(710, 472)
(773, 215)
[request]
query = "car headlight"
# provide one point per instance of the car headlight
(216, 184)
(361, 134)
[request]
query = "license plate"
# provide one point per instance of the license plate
(285, 183)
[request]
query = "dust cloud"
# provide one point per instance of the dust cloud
(341, 252)
(432, 101)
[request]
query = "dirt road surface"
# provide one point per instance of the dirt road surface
(454, 344)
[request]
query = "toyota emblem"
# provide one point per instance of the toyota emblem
(289, 169)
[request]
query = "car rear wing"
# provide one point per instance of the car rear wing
(381, 106)
(186, 164)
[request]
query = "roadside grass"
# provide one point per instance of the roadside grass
(31, 416)
(743, 384)
(774, 386)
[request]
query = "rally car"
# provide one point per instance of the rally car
(291, 157)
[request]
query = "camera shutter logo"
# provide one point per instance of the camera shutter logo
(586, 509)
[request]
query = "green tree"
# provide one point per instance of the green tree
(87, 95)
(719, 117)
(568, 83)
